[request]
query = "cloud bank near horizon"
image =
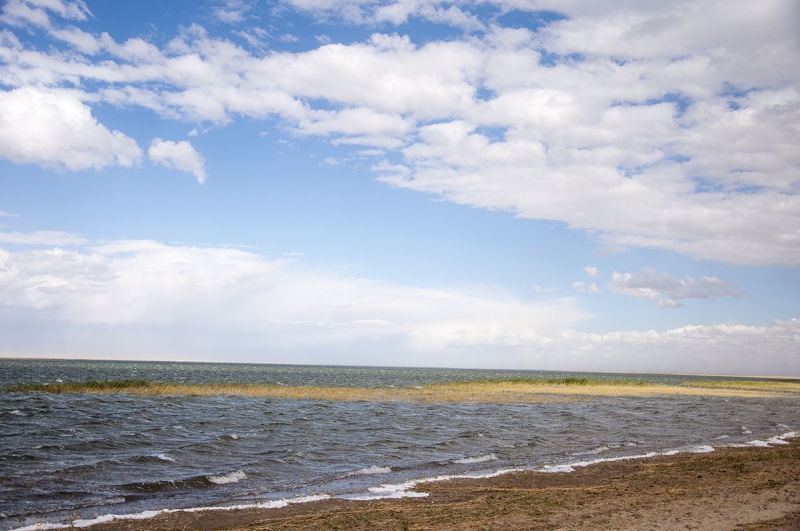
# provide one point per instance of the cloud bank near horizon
(670, 125)
(183, 302)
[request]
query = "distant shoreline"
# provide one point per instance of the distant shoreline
(279, 364)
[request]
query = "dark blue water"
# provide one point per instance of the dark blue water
(78, 456)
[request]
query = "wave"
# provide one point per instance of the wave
(224, 479)
(777, 439)
(389, 491)
(371, 470)
(146, 515)
(594, 451)
(196, 482)
(471, 460)
(402, 490)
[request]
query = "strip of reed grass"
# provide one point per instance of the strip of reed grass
(762, 385)
(510, 390)
(569, 381)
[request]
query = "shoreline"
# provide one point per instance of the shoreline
(749, 484)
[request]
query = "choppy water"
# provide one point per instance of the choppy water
(64, 457)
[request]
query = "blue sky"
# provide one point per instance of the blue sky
(543, 185)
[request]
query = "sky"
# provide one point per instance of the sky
(522, 184)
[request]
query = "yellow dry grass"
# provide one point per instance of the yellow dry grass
(487, 391)
(787, 386)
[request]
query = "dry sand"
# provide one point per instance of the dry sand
(729, 489)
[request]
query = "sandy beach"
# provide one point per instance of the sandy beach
(728, 489)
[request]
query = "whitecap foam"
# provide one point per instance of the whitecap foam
(570, 467)
(146, 515)
(224, 479)
(389, 496)
(164, 457)
(41, 526)
(555, 469)
(777, 439)
(17, 412)
(405, 489)
(374, 469)
(398, 487)
(702, 449)
(478, 459)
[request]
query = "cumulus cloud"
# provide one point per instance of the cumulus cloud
(593, 287)
(56, 130)
(654, 285)
(179, 156)
(593, 273)
(669, 125)
(142, 298)
(35, 11)
(233, 12)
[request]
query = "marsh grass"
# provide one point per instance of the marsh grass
(789, 386)
(511, 390)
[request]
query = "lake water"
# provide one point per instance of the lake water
(78, 457)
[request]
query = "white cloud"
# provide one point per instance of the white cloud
(35, 11)
(42, 237)
(667, 303)
(729, 348)
(593, 273)
(224, 292)
(56, 130)
(4, 214)
(591, 288)
(233, 12)
(653, 285)
(142, 298)
(667, 125)
(178, 155)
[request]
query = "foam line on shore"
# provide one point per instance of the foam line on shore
(400, 490)
(146, 515)
(392, 490)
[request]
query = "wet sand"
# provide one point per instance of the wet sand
(729, 489)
